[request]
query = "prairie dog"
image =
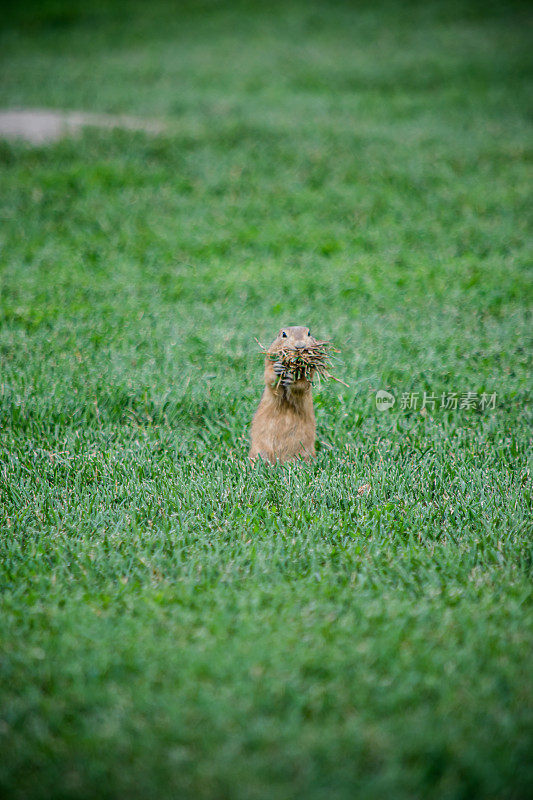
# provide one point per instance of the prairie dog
(284, 425)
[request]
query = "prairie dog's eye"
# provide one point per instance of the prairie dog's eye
(309, 333)
(284, 335)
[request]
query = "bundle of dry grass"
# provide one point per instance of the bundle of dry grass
(292, 364)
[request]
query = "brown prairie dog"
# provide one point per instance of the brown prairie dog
(284, 425)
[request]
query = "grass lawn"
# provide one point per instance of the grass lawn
(173, 623)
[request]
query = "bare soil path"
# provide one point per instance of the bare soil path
(38, 126)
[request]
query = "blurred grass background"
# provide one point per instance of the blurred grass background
(174, 623)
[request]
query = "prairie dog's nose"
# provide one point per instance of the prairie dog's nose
(299, 345)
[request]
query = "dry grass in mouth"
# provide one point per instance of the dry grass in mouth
(315, 359)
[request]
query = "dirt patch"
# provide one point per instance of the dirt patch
(40, 125)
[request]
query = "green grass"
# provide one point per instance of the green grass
(174, 623)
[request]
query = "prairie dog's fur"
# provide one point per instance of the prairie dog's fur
(284, 425)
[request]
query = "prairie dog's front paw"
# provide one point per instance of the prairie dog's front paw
(278, 368)
(300, 385)
(287, 380)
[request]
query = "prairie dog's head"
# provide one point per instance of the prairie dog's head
(295, 337)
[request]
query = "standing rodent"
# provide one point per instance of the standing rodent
(284, 425)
